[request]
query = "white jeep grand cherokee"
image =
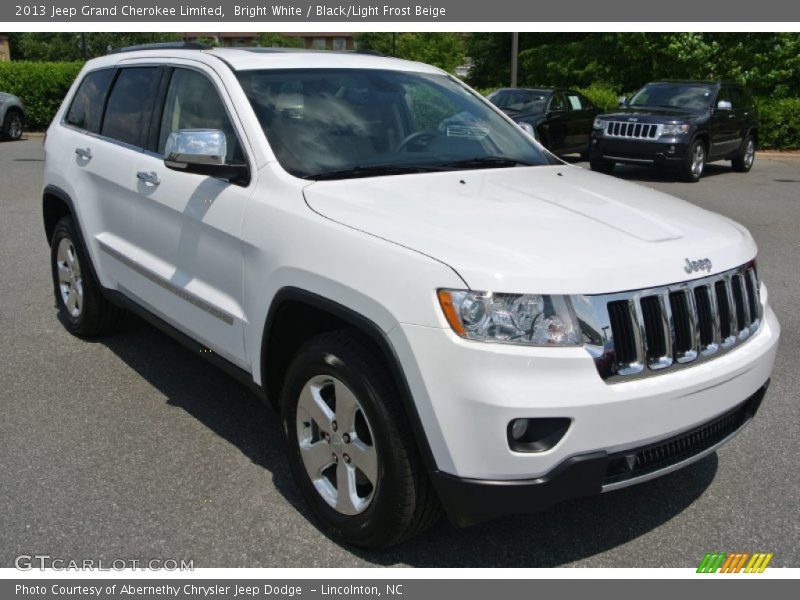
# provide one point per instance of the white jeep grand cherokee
(446, 316)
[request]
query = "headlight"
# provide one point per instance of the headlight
(600, 123)
(527, 319)
(674, 129)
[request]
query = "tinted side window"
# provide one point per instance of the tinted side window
(193, 103)
(130, 105)
(738, 98)
(557, 102)
(87, 105)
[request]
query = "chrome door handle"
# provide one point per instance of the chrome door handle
(84, 153)
(148, 177)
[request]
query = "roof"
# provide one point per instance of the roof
(246, 59)
(538, 90)
(692, 81)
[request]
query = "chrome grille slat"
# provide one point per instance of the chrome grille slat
(642, 131)
(659, 330)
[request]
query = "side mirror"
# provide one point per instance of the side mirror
(202, 151)
(528, 128)
(724, 105)
(622, 101)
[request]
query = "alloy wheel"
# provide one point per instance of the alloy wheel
(749, 153)
(70, 282)
(337, 445)
(698, 160)
(14, 126)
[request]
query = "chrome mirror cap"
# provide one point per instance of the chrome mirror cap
(724, 105)
(196, 146)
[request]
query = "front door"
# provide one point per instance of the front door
(189, 226)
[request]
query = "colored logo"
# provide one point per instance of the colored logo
(739, 562)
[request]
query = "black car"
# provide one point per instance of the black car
(681, 125)
(561, 119)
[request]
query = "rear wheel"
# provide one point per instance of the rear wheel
(350, 446)
(743, 161)
(695, 162)
(86, 312)
(12, 125)
(602, 165)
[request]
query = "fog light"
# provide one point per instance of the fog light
(518, 428)
(672, 148)
(536, 435)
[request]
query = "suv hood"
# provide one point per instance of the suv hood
(558, 229)
(653, 115)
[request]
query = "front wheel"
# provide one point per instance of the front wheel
(350, 446)
(743, 161)
(695, 162)
(12, 126)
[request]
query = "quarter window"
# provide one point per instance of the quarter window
(574, 102)
(130, 105)
(87, 105)
(193, 103)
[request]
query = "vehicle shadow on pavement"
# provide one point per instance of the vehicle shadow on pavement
(224, 405)
(650, 174)
(568, 532)
(571, 531)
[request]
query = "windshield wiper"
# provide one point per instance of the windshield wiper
(372, 171)
(479, 162)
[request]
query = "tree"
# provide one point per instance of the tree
(279, 40)
(768, 62)
(78, 46)
(441, 49)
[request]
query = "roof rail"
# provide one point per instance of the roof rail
(162, 46)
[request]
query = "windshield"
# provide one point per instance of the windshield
(338, 123)
(519, 100)
(688, 96)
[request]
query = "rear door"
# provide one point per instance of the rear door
(188, 226)
(557, 123)
(581, 118)
(725, 136)
(109, 118)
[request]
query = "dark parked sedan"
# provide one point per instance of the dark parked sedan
(561, 118)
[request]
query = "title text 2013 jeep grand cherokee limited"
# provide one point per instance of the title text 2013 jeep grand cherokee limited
(680, 125)
(446, 316)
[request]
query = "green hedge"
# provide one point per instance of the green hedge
(41, 85)
(779, 123)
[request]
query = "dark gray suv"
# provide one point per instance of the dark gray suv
(680, 125)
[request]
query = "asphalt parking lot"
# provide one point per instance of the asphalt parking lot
(131, 447)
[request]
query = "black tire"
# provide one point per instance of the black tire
(691, 170)
(13, 124)
(93, 315)
(403, 502)
(602, 165)
(743, 161)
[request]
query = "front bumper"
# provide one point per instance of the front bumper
(469, 501)
(665, 152)
(466, 393)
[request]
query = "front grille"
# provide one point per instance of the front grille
(646, 460)
(643, 131)
(646, 332)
